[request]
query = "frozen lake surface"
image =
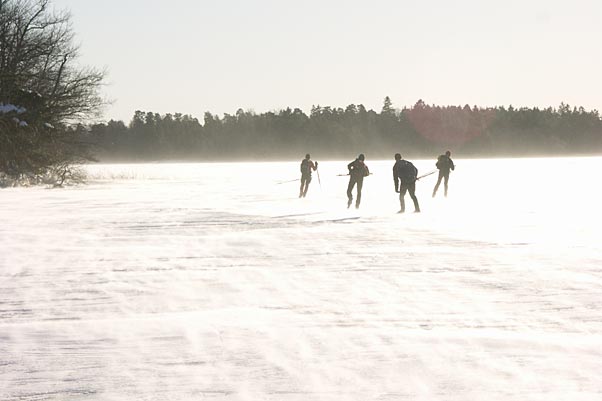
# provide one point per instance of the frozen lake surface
(214, 281)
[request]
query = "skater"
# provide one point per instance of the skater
(444, 164)
(306, 167)
(404, 178)
(357, 171)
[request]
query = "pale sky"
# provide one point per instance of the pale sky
(192, 56)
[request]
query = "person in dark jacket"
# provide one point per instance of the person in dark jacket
(357, 171)
(445, 164)
(306, 167)
(404, 178)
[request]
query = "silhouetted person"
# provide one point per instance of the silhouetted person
(445, 164)
(306, 167)
(404, 177)
(357, 171)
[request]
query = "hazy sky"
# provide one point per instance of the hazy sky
(192, 56)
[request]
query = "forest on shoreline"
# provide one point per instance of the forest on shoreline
(419, 131)
(49, 102)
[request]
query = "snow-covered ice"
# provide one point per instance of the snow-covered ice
(214, 281)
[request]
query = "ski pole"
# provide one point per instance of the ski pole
(426, 175)
(285, 182)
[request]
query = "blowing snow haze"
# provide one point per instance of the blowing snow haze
(169, 281)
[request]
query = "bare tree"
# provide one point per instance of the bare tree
(42, 88)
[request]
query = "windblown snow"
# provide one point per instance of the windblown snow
(214, 281)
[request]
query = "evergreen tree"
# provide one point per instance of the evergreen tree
(387, 106)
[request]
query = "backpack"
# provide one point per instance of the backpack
(441, 162)
(305, 167)
(406, 171)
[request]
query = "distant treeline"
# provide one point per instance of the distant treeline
(420, 131)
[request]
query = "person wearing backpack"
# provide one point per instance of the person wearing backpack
(357, 171)
(306, 167)
(404, 178)
(445, 164)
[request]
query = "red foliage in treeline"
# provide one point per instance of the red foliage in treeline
(451, 125)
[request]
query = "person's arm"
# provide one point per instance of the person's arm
(314, 166)
(451, 163)
(350, 165)
(367, 172)
(395, 178)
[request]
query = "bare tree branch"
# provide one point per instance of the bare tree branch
(39, 72)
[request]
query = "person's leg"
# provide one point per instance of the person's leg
(360, 184)
(402, 193)
(446, 180)
(349, 189)
(307, 181)
(412, 191)
(438, 183)
(302, 186)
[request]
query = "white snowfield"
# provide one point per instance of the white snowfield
(214, 281)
